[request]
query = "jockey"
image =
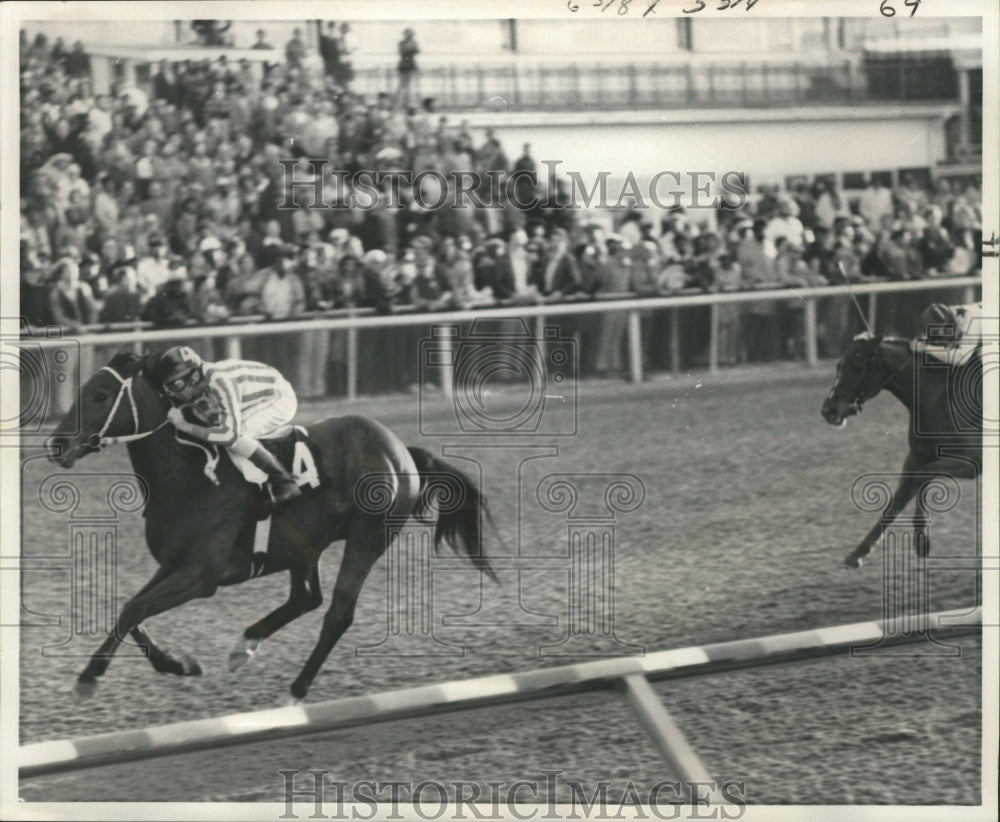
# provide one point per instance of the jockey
(233, 403)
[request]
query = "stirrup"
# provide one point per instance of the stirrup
(283, 491)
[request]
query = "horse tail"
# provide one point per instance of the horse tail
(462, 508)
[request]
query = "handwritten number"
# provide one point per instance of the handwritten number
(886, 9)
(574, 7)
(701, 5)
(751, 4)
(725, 4)
(649, 9)
(623, 7)
(913, 4)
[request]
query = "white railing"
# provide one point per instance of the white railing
(630, 675)
(353, 320)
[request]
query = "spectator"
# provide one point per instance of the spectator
(282, 292)
(935, 244)
(730, 316)
(35, 305)
(875, 202)
(525, 177)
(348, 53)
(784, 225)
(295, 50)
(207, 304)
(154, 269)
(329, 50)
(757, 272)
(261, 42)
(123, 302)
(71, 302)
(170, 306)
(408, 51)
(560, 275)
(791, 272)
(613, 268)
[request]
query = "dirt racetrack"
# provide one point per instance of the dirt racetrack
(746, 518)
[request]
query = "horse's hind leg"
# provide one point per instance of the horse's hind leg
(169, 591)
(365, 544)
(163, 661)
(305, 595)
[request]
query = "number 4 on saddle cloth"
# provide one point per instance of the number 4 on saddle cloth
(291, 446)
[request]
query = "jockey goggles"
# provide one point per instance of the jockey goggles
(179, 383)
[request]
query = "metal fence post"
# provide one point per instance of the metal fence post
(811, 356)
(675, 341)
(447, 354)
(352, 364)
(635, 345)
(713, 339)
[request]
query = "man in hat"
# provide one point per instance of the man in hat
(153, 270)
(408, 51)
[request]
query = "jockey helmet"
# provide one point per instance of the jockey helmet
(179, 371)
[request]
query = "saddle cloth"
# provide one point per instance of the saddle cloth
(291, 446)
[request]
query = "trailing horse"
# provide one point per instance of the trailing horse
(201, 533)
(945, 401)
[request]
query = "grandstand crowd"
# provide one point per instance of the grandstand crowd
(163, 206)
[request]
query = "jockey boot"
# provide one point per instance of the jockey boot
(281, 484)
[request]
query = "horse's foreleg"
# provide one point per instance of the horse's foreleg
(904, 493)
(169, 591)
(305, 595)
(365, 544)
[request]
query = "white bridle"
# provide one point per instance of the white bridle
(124, 389)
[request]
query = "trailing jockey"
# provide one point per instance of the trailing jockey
(231, 403)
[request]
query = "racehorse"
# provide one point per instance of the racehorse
(945, 401)
(201, 534)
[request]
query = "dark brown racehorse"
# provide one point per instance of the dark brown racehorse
(945, 402)
(201, 534)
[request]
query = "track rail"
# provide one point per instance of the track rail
(41, 758)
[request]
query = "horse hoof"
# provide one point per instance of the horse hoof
(243, 653)
(290, 701)
(853, 562)
(189, 666)
(84, 688)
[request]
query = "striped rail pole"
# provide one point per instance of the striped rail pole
(40, 758)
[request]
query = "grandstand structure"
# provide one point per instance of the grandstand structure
(514, 76)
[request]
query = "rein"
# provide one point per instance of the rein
(124, 389)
